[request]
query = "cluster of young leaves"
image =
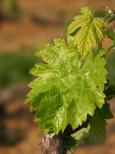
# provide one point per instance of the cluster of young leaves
(69, 84)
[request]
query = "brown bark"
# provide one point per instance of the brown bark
(52, 144)
(57, 144)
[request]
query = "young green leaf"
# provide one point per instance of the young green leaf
(87, 30)
(67, 89)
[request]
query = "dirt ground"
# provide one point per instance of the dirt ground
(22, 34)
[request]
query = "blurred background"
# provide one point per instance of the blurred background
(26, 25)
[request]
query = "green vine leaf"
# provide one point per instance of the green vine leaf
(87, 30)
(67, 89)
(97, 125)
(97, 131)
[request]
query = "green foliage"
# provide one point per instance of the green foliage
(87, 30)
(66, 88)
(69, 85)
(111, 34)
(97, 131)
(111, 67)
(11, 6)
(14, 67)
